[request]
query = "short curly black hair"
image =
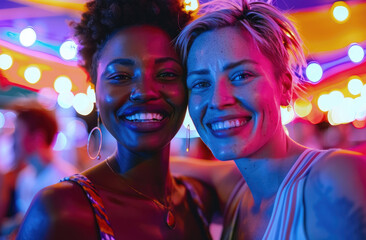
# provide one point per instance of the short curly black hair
(104, 17)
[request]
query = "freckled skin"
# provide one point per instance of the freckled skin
(256, 95)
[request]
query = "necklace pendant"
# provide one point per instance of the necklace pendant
(170, 220)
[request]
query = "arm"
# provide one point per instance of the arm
(335, 197)
(60, 211)
(221, 176)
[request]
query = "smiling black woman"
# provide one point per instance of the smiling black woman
(142, 98)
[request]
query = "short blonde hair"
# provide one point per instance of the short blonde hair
(274, 34)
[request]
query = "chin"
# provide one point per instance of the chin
(224, 155)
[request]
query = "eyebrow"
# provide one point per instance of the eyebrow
(166, 59)
(226, 67)
(121, 61)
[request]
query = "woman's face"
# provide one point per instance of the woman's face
(234, 94)
(140, 91)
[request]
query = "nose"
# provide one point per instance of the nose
(222, 94)
(145, 88)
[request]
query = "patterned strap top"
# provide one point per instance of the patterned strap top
(104, 227)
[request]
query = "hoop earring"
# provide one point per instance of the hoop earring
(95, 139)
(188, 137)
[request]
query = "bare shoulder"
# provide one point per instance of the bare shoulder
(60, 211)
(335, 196)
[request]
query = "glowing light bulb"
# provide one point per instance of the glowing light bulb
(314, 72)
(27, 37)
(68, 50)
(62, 84)
(91, 94)
(287, 115)
(302, 107)
(5, 61)
(356, 53)
(323, 102)
(65, 99)
(191, 5)
(340, 11)
(355, 85)
(32, 74)
(82, 104)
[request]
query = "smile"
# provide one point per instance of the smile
(230, 126)
(223, 125)
(145, 117)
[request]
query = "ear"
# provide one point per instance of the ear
(286, 88)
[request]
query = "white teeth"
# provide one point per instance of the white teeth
(227, 124)
(145, 117)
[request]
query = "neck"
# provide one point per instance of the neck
(147, 172)
(265, 171)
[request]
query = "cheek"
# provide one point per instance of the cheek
(195, 106)
(177, 93)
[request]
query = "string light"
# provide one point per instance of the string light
(340, 11)
(356, 53)
(6, 61)
(68, 50)
(27, 37)
(32, 74)
(314, 72)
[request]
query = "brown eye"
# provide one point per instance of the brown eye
(168, 75)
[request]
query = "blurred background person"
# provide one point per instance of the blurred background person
(36, 164)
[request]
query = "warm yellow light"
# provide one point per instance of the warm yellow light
(32, 74)
(340, 11)
(191, 5)
(355, 85)
(302, 107)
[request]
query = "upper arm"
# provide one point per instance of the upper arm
(60, 211)
(335, 197)
(221, 176)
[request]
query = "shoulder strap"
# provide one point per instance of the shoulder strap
(196, 204)
(105, 230)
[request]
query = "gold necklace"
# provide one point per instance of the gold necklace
(170, 218)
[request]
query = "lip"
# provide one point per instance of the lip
(228, 125)
(148, 126)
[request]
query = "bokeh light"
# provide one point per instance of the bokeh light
(47, 97)
(323, 102)
(76, 130)
(314, 72)
(32, 74)
(82, 104)
(68, 50)
(359, 123)
(65, 99)
(354, 85)
(2, 120)
(340, 11)
(91, 94)
(191, 5)
(287, 114)
(356, 53)
(61, 142)
(6, 61)
(302, 107)
(62, 84)
(27, 37)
